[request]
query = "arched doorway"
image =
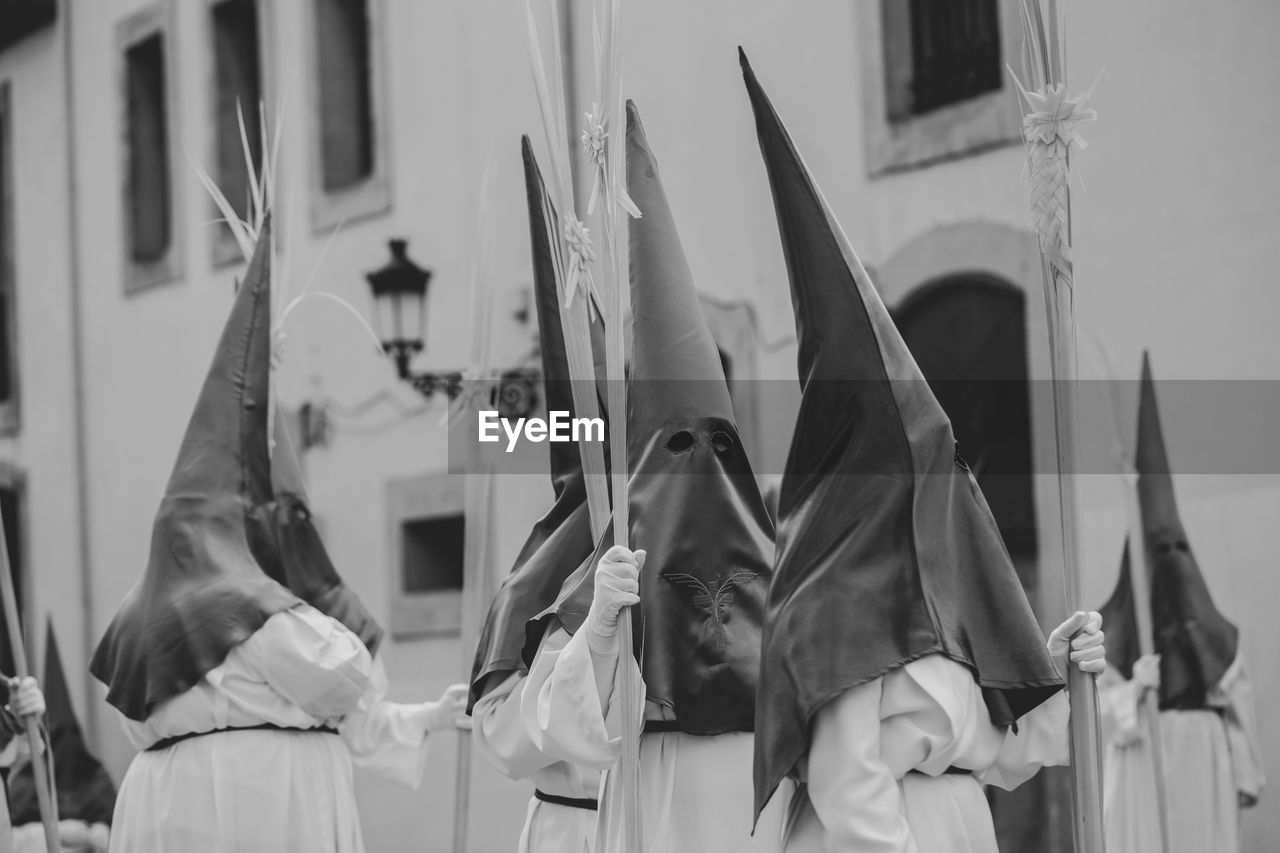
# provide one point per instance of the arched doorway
(968, 333)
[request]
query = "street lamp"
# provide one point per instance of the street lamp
(400, 318)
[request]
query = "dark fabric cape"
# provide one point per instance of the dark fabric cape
(561, 540)
(887, 551)
(694, 503)
(203, 591)
(288, 547)
(1195, 642)
(85, 791)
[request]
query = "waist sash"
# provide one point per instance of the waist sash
(165, 743)
(587, 803)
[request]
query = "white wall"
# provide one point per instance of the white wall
(450, 114)
(43, 448)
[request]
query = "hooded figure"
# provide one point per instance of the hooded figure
(249, 704)
(289, 550)
(562, 815)
(86, 795)
(203, 591)
(1211, 758)
(707, 546)
(893, 592)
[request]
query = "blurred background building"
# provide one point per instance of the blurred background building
(114, 279)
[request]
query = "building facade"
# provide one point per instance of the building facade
(114, 278)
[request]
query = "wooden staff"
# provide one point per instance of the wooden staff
(1086, 741)
(571, 262)
(1049, 131)
(1140, 589)
(44, 782)
(1139, 582)
(477, 592)
(479, 581)
(572, 256)
(605, 142)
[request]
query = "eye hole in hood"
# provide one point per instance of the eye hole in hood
(681, 441)
(722, 441)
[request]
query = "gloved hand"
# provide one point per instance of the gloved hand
(25, 697)
(1146, 672)
(445, 713)
(617, 586)
(1087, 650)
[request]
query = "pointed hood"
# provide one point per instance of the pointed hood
(203, 592)
(1195, 642)
(85, 791)
(289, 549)
(694, 503)
(886, 548)
(561, 540)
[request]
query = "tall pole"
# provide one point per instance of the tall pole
(1140, 586)
(1085, 728)
(604, 141)
(573, 256)
(1140, 589)
(44, 789)
(477, 591)
(478, 576)
(78, 382)
(1049, 131)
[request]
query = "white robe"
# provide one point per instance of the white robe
(265, 791)
(8, 756)
(695, 792)
(878, 755)
(1210, 756)
(501, 736)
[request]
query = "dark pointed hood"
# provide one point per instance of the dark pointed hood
(561, 540)
(289, 549)
(203, 592)
(1195, 642)
(887, 551)
(694, 503)
(85, 791)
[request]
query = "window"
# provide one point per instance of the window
(149, 199)
(432, 557)
(428, 538)
(150, 228)
(346, 108)
(8, 318)
(21, 18)
(954, 47)
(350, 153)
(238, 93)
(934, 79)
(11, 514)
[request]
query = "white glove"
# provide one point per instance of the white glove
(1146, 672)
(617, 586)
(1087, 650)
(25, 698)
(445, 713)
